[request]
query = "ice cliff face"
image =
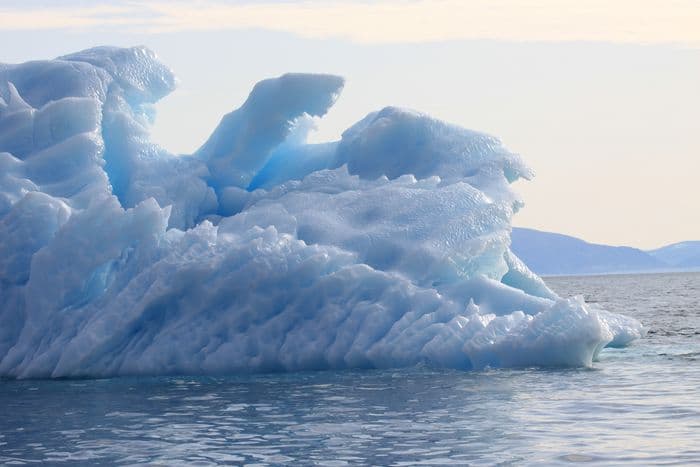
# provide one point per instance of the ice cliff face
(259, 252)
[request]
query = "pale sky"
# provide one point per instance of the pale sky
(601, 97)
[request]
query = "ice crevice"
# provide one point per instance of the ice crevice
(259, 252)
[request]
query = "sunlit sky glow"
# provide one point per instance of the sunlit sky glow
(631, 21)
(601, 97)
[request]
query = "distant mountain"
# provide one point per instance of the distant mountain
(680, 255)
(553, 253)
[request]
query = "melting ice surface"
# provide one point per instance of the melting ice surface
(259, 252)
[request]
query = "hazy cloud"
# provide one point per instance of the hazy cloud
(387, 21)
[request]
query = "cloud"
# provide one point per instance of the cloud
(20, 18)
(391, 21)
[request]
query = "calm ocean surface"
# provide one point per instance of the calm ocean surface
(638, 405)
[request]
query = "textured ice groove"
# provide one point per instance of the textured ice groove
(259, 252)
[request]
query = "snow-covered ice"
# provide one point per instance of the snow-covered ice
(259, 252)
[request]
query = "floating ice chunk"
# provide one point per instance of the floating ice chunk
(259, 252)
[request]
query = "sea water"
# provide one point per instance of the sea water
(637, 405)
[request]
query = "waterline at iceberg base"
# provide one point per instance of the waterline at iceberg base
(259, 252)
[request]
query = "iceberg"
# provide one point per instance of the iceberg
(260, 251)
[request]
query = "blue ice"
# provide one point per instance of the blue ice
(259, 252)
